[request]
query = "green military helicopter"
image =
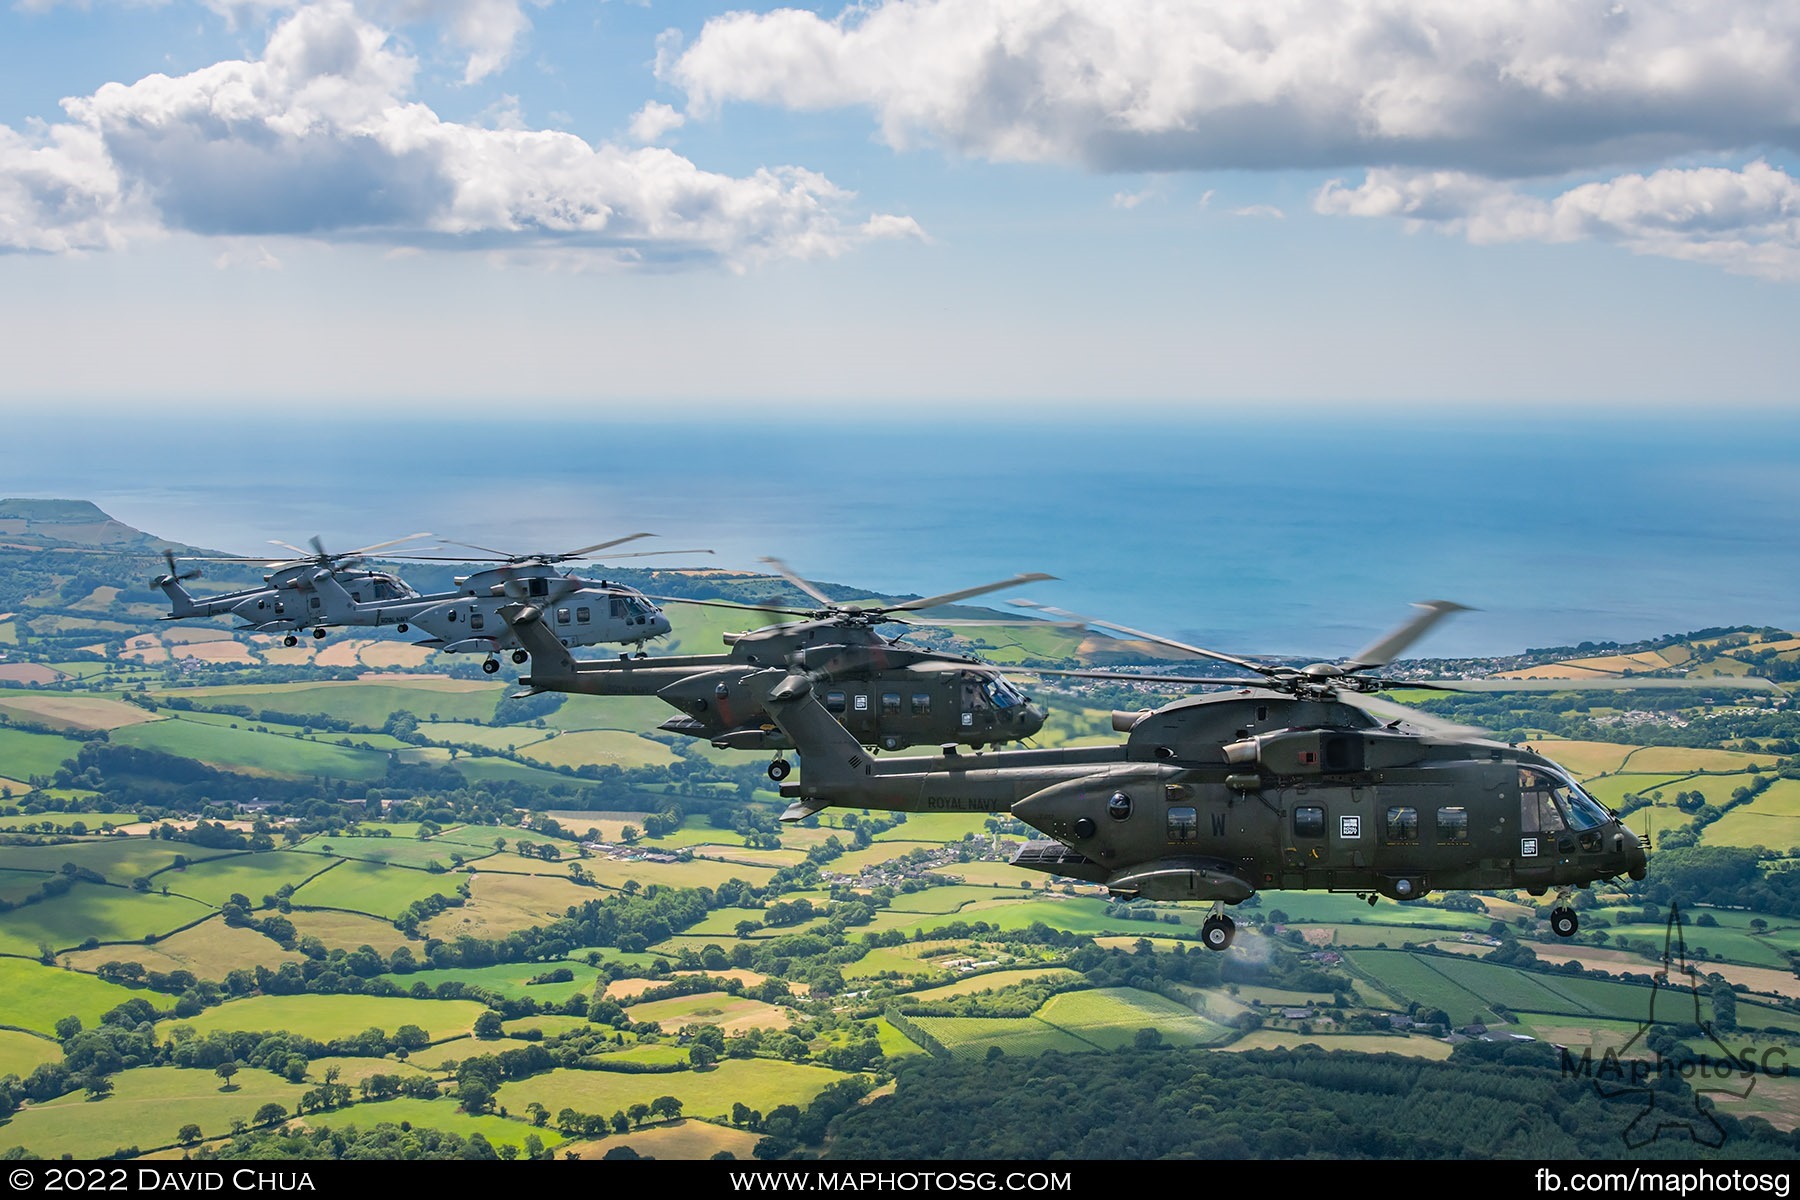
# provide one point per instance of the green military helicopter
(1289, 780)
(886, 695)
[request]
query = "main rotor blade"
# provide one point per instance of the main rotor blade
(787, 573)
(966, 593)
(1128, 677)
(289, 546)
(1747, 683)
(1215, 655)
(630, 537)
(1424, 722)
(1384, 650)
(499, 554)
(764, 608)
(641, 554)
(411, 537)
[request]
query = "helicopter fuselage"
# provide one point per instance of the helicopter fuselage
(1217, 797)
(886, 696)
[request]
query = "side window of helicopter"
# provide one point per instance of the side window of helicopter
(618, 608)
(890, 704)
(1184, 824)
(1402, 824)
(562, 616)
(477, 620)
(584, 616)
(356, 596)
(1453, 826)
(314, 602)
(1309, 821)
(537, 586)
(834, 702)
(1538, 812)
(921, 704)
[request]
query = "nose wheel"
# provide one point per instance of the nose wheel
(778, 770)
(1564, 922)
(519, 656)
(490, 665)
(1217, 932)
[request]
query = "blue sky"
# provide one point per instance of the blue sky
(495, 205)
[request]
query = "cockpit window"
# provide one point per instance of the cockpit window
(1549, 803)
(1002, 694)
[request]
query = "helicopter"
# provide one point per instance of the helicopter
(584, 612)
(1286, 781)
(890, 696)
(281, 604)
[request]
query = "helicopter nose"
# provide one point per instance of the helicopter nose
(1032, 719)
(1637, 863)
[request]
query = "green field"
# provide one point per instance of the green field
(728, 1012)
(761, 1083)
(147, 1109)
(22, 1053)
(61, 822)
(971, 1037)
(374, 889)
(509, 979)
(24, 754)
(35, 997)
(603, 746)
(402, 852)
(251, 875)
(442, 1114)
(987, 981)
(329, 1017)
(118, 859)
(89, 910)
(1111, 1017)
(247, 750)
(1771, 820)
(365, 704)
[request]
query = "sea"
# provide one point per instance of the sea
(1293, 532)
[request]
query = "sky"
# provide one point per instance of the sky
(298, 208)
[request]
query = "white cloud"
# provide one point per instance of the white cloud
(1259, 210)
(1744, 221)
(318, 138)
(1130, 200)
(1509, 87)
(655, 119)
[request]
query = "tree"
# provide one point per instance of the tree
(638, 1112)
(270, 1114)
(188, 1135)
(225, 1071)
(666, 1106)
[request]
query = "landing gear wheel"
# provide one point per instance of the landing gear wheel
(520, 656)
(290, 640)
(401, 627)
(642, 654)
(319, 633)
(778, 770)
(490, 665)
(1564, 922)
(1217, 932)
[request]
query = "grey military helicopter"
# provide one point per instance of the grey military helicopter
(286, 603)
(1286, 781)
(888, 695)
(579, 611)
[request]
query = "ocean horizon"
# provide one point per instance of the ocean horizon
(1291, 533)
